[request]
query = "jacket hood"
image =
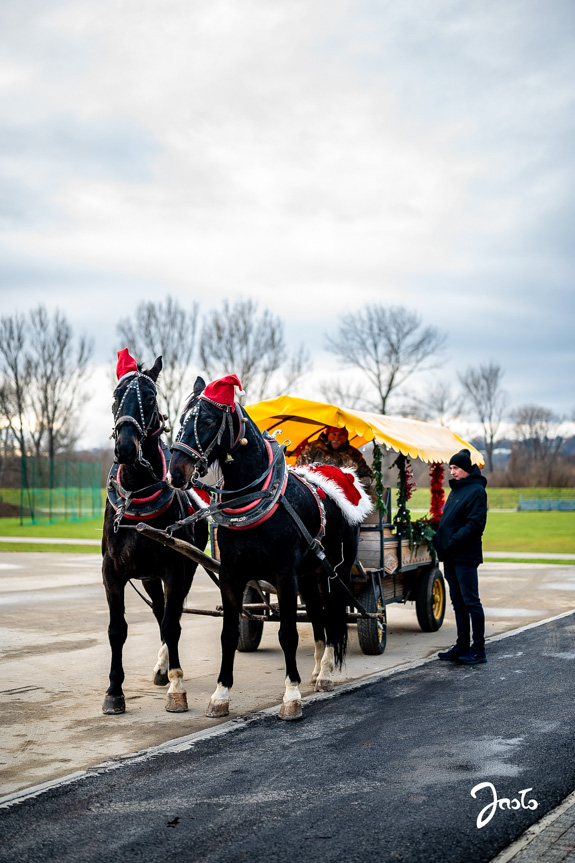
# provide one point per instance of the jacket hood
(475, 477)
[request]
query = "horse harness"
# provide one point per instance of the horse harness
(201, 455)
(146, 503)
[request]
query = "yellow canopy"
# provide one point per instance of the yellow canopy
(301, 420)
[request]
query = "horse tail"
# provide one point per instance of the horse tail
(337, 626)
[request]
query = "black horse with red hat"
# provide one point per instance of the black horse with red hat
(299, 533)
(138, 491)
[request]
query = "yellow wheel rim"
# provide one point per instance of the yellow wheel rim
(438, 598)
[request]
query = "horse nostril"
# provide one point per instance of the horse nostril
(126, 453)
(177, 478)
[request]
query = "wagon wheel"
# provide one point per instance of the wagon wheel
(250, 630)
(372, 634)
(430, 600)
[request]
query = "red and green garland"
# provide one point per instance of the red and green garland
(378, 481)
(436, 473)
(422, 529)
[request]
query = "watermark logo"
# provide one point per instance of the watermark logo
(502, 803)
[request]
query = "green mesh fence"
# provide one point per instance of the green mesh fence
(56, 490)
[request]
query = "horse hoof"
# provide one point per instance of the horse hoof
(176, 702)
(161, 678)
(113, 704)
(217, 709)
(324, 685)
(290, 710)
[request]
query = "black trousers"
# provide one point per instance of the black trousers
(464, 591)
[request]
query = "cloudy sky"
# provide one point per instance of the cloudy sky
(315, 155)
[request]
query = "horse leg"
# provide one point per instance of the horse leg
(289, 638)
(232, 594)
(177, 701)
(114, 701)
(155, 591)
(312, 598)
(324, 681)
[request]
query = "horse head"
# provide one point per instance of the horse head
(135, 410)
(212, 425)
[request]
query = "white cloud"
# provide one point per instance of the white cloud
(313, 155)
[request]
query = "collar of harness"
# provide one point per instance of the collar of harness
(258, 506)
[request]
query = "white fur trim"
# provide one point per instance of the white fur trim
(353, 514)
(127, 375)
(198, 502)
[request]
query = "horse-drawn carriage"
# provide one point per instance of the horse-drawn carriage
(280, 531)
(390, 567)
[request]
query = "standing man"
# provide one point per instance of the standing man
(458, 545)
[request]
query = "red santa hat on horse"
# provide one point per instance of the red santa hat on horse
(127, 365)
(222, 392)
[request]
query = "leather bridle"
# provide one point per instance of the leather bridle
(200, 455)
(142, 428)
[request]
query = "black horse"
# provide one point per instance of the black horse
(138, 491)
(259, 537)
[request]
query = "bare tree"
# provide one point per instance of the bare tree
(346, 395)
(15, 372)
(297, 365)
(389, 344)
(164, 329)
(240, 338)
(41, 370)
(59, 380)
(536, 431)
(482, 390)
(439, 404)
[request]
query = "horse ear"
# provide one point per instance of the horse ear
(155, 370)
(199, 386)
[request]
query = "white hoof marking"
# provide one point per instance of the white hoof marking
(176, 678)
(163, 662)
(319, 647)
(324, 682)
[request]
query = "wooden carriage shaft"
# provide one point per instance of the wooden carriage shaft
(179, 545)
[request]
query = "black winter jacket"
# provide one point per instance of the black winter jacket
(458, 536)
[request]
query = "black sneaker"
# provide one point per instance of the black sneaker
(451, 655)
(474, 656)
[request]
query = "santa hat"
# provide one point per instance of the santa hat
(127, 365)
(222, 391)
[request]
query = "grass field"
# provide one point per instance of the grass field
(533, 532)
(89, 529)
(552, 532)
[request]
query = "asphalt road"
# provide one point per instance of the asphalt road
(379, 773)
